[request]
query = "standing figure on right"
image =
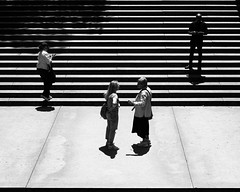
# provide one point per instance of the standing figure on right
(197, 29)
(143, 112)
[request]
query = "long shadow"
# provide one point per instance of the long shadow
(195, 78)
(109, 152)
(45, 107)
(87, 15)
(139, 151)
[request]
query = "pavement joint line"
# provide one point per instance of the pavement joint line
(44, 144)
(185, 156)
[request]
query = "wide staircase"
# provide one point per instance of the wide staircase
(97, 41)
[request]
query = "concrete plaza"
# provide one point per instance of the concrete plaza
(64, 147)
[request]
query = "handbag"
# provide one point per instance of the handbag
(149, 118)
(52, 76)
(103, 111)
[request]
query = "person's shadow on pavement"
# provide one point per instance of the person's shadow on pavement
(195, 78)
(139, 151)
(45, 107)
(109, 152)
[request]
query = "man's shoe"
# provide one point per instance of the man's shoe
(112, 146)
(50, 97)
(144, 144)
(45, 98)
(147, 141)
(188, 67)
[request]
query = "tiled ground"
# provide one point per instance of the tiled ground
(63, 147)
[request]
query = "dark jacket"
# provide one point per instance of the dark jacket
(198, 26)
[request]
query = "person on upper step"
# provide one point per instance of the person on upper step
(197, 30)
(44, 68)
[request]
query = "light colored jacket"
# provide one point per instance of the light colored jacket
(142, 103)
(44, 60)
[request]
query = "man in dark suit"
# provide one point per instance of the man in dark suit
(197, 29)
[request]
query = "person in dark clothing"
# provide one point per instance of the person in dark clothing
(197, 29)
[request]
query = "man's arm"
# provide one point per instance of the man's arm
(143, 99)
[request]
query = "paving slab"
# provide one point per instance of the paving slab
(74, 155)
(23, 132)
(211, 140)
(64, 147)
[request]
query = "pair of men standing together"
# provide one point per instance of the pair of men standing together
(143, 112)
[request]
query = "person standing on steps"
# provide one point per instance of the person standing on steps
(197, 29)
(143, 112)
(44, 68)
(112, 113)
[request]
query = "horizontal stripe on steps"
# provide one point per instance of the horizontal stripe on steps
(119, 61)
(162, 93)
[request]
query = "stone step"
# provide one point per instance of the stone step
(174, 77)
(122, 63)
(111, 13)
(180, 94)
(119, 49)
(215, 18)
(97, 41)
(126, 87)
(98, 102)
(123, 56)
(121, 70)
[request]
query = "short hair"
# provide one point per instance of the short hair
(143, 81)
(42, 46)
(199, 15)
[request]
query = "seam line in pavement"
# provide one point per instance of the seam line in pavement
(34, 167)
(189, 172)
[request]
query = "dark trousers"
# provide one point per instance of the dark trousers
(196, 42)
(45, 76)
(112, 124)
(141, 127)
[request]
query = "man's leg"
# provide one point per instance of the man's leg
(192, 49)
(44, 76)
(111, 133)
(199, 56)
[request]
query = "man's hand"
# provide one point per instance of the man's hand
(54, 55)
(192, 32)
(130, 102)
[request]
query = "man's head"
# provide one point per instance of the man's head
(43, 46)
(142, 82)
(199, 17)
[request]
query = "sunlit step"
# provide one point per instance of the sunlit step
(137, 61)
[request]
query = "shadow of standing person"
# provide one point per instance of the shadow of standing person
(140, 151)
(45, 108)
(195, 77)
(109, 152)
